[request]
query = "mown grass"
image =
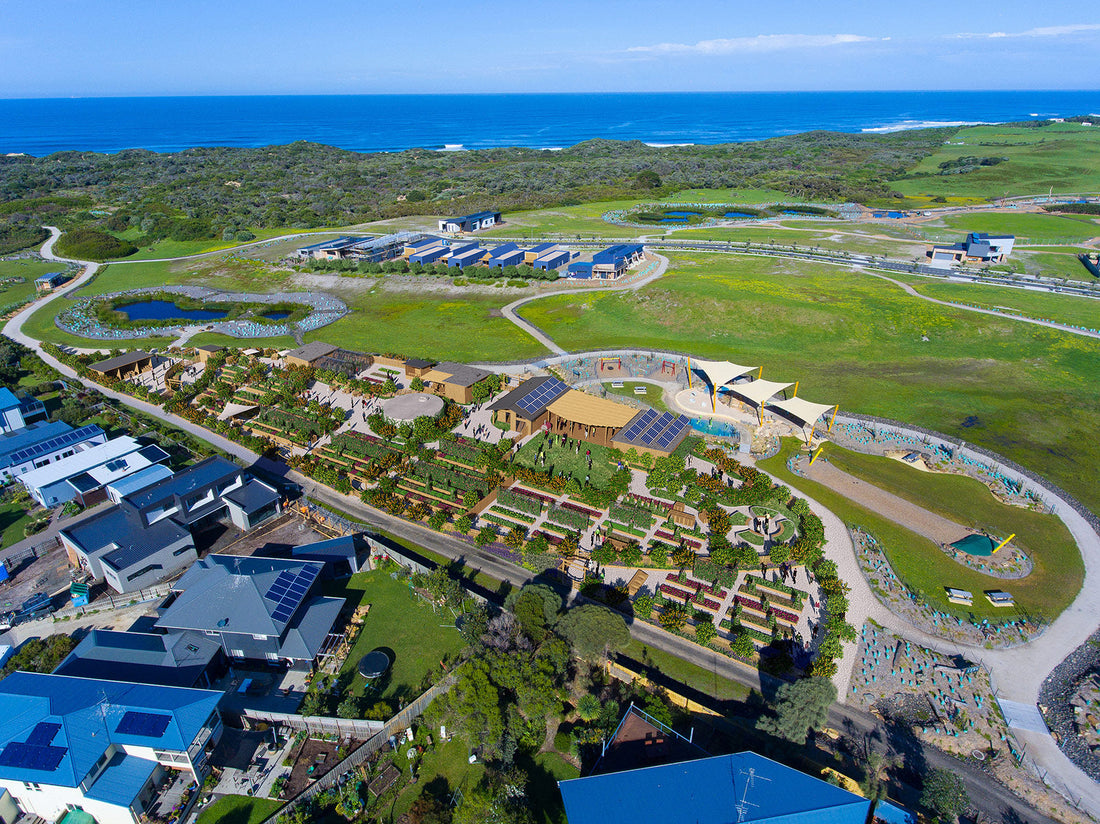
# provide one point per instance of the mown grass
(574, 221)
(238, 809)
(403, 623)
(653, 394)
(684, 672)
(14, 518)
(1045, 593)
(1070, 309)
(1028, 392)
(1060, 156)
(1059, 265)
(28, 268)
(168, 248)
(1036, 227)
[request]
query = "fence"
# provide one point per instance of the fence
(115, 602)
(31, 553)
(365, 750)
(317, 724)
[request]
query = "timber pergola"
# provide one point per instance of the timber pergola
(719, 373)
(808, 412)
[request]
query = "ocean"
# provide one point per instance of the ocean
(372, 123)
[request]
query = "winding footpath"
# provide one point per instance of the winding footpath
(1017, 673)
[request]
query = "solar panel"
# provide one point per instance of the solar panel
(636, 428)
(541, 396)
(281, 582)
(283, 613)
(42, 734)
(146, 724)
(31, 757)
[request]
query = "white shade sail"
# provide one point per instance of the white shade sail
(720, 373)
(757, 391)
(806, 411)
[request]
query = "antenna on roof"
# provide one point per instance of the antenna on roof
(743, 805)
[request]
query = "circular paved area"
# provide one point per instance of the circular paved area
(411, 407)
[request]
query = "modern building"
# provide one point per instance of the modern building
(508, 254)
(83, 475)
(310, 353)
(608, 264)
(49, 281)
(524, 409)
(174, 659)
(471, 255)
(258, 609)
(151, 532)
(380, 249)
(429, 252)
(124, 366)
(471, 223)
(43, 443)
(17, 411)
(551, 259)
(205, 352)
(454, 380)
(119, 489)
(537, 251)
(339, 555)
(329, 249)
(978, 247)
(742, 787)
(653, 433)
(100, 746)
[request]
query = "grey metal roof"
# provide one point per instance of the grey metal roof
(122, 360)
(462, 374)
(312, 351)
(309, 627)
(252, 496)
(226, 593)
(173, 659)
(512, 400)
(204, 473)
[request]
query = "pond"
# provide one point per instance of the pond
(275, 315)
(713, 427)
(167, 310)
(684, 214)
(738, 214)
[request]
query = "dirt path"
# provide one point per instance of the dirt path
(902, 512)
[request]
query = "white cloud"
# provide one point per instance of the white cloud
(1042, 31)
(757, 44)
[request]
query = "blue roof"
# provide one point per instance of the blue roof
(542, 247)
(123, 779)
(204, 473)
(139, 480)
(743, 787)
(28, 437)
(893, 814)
(87, 713)
(7, 399)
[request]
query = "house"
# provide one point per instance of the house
(204, 352)
(83, 475)
(743, 787)
(258, 609)
(608, 264)
(454, 380)
(174, 659)
(978, 247)
(328, 249)
(429, 252)
(339, 555)
(16, 411)
(151, 532)
(44, 443)
(418, 367)
(466, 256)
(551, 259)
(117, 490)
(524, 409)
(537, 251)
(49, 281)
(471, 223)
(100, 746)
(509, 254)
(310, 353)
(653, 433)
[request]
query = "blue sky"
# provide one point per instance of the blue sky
(50, 48)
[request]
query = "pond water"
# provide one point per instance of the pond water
(737, 214)
(167, 310)
(712, 427)
(275, 315)
(683, 214)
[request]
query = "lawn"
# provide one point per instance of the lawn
(653, 393)
(447, 763)
(1027, 392)
(444, 327)
(1070, 309)
(1061, 156)
(1049, 264)
(574, 221)
(1044, 228)
(1049, 589)
(401, 622)
(565, 461)
(13, 519)
(27, 268)
(238, 809)
(168, 248)
(684, 672)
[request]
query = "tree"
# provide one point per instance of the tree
(428, 809)
(944, 794)
(742, 646)
(416, 385)
(463, 523)
(588, 707)
(705, 632)
(798, 708)
(673, 617)
(536, 609)
(647, 179)
(604, 554)
(592, 630)
(486, 536)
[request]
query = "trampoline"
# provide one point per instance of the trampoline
(979, 545)
(374, 664)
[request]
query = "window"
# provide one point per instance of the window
(273, 656)
(180, 551)
(210, 631)
(30, 785)
(259, 637)
(237, 653)
(144, 571)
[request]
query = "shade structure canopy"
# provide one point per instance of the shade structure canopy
(806, 411)
(757, 391)
(586, 410)
(719, 373)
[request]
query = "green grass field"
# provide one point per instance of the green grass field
(1076, 311)
(566, 461)
(28, 268)
(1059, 155)
(1032, 393)
(685, 672)
(238, 809)
(652, 395)
(1052, 264)
(1051, 587)
(168, 248)
(1035, 227)
(572, 221)
(13, 519)
(400, 621)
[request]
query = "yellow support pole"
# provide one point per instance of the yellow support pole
(1001, 545)
(833, 419)
(689, 373)
(760, 374)
(761, 410)
(794, 394)
(714, 400)
(814, 458)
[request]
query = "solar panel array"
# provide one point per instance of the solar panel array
(651, 429)
(42, 734)
(542, 396)
(147, 724)
(287, 591)
(31, 757)
(53, 444)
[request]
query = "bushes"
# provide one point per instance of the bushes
(92, 244)
(519, 502)
(568, 518)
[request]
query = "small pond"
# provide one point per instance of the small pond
(713, 427)
(683, 214)
(167, 310)
(738, 214)
(275, 315)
